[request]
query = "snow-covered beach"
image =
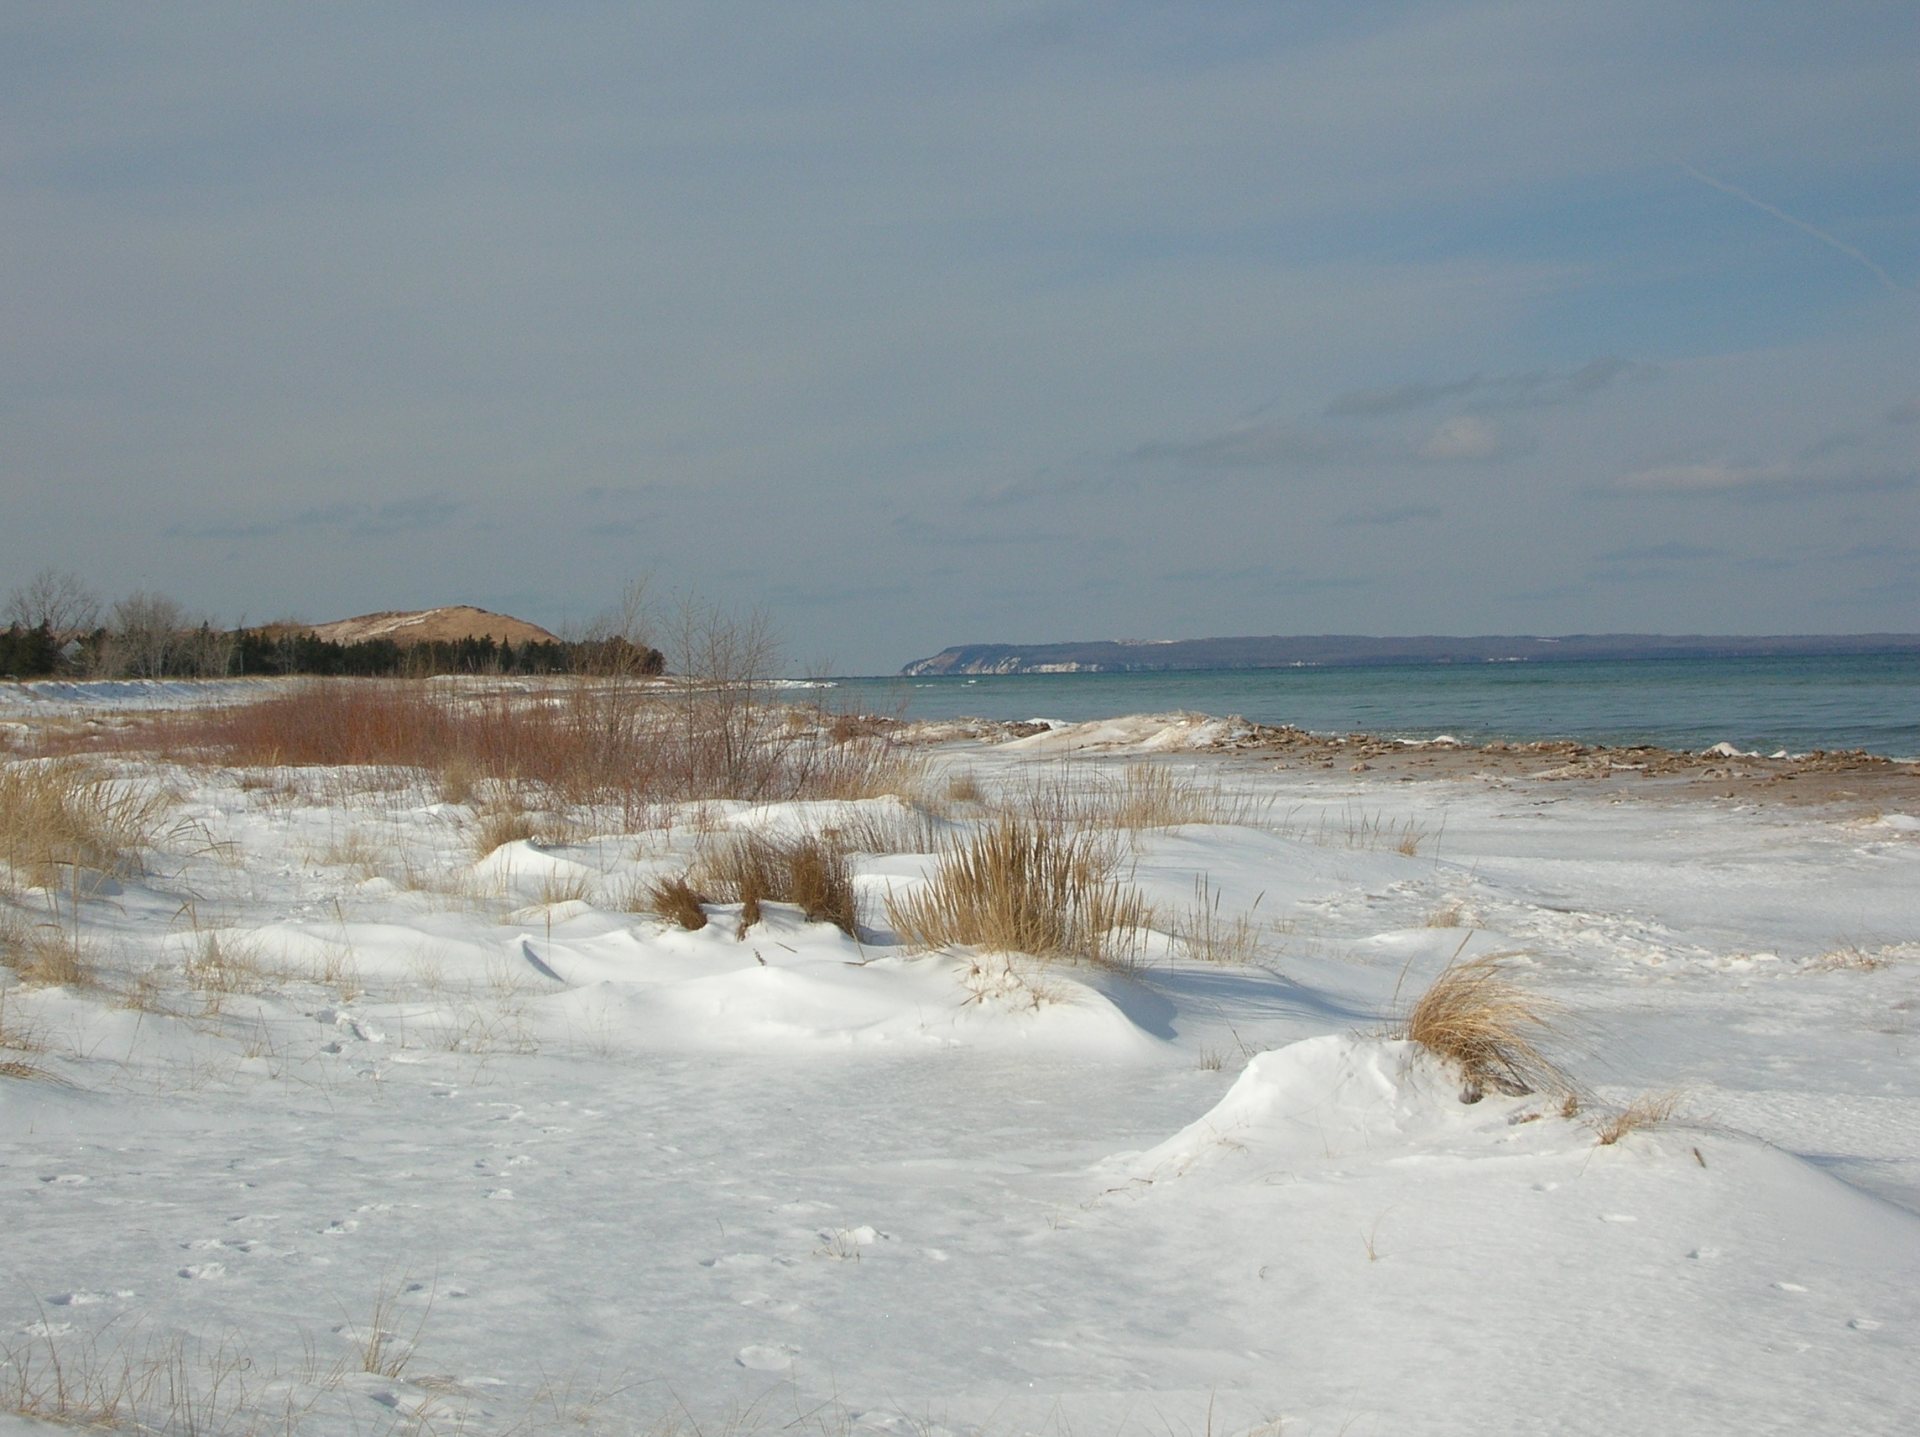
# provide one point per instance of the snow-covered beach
(357, 1122)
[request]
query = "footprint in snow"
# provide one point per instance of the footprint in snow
(745, 1259)
(773, 1306)
(775, 1358)
(204, 1269)
(1789, 1287)
(66, 1179)
(340, 1228)
(1865, 1324)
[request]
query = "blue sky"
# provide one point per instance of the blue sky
(937, 323)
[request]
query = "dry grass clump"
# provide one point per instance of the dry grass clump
(1211, 936)
(674, 899)
(1144, 796)
(500, 825)
(47, 953)
(1485, 1024)
(1019, 886)
(233, 964)
(1646, 1111)
(17, 1037)
(64, 815)
(963, 786)
(810, 872)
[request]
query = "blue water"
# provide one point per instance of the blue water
(1867, 702)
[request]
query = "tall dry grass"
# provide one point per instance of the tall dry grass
(62, 817)
(1018, 886)
(1142, 796)
(810, 871)
(1488, 1027)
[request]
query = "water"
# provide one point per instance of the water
(1869, 702)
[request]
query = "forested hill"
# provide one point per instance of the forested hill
(1285, 651)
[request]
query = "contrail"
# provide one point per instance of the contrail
(1846, 249)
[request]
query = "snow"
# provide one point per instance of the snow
(593, 1171)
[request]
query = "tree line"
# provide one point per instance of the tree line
(56, 626)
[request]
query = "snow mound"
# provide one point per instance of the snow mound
(791, 983)
(1149, 733)
(1329, 1099)
(522, 861)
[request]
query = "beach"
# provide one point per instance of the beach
(363, 1113)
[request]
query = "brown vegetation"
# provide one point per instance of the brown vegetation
(580, 741)
(1024, 887)
(811, 872)
(1484, 1024)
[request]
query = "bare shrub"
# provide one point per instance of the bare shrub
(1024, 887)
(1484, 1024)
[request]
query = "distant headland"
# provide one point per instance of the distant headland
(1279, 651)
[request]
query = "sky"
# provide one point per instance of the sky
(921, 324)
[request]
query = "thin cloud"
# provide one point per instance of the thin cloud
(1851, 252)
(1469, 439)
(1673, 552)
(1388, 518)
(361, 521)
(1485, 393)
(1256, 446)
(1757, 480)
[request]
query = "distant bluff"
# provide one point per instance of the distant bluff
(1104, 656)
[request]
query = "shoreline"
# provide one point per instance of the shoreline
(1854, 780)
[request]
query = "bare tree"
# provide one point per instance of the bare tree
(722, 665)
(145, 634)
(59, 600)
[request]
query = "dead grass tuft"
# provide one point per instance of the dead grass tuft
(1646, 1111)
(498, 826)
(61, 817)
(1485, 1024)
(963, 786)
(811, 872)
(17, 1037)
(1023, 887)
(1144, 796)
(677, 900)
(1211, 936)
(46, 954)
